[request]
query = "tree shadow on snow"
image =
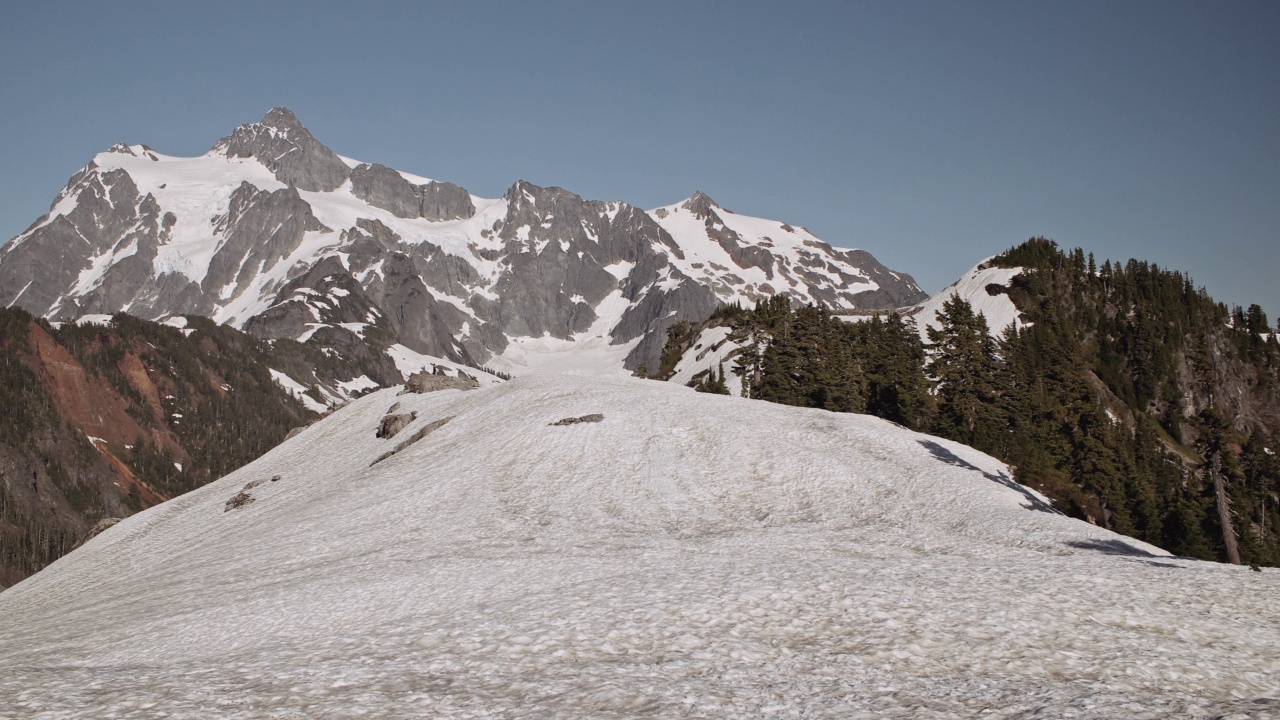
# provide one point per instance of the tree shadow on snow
(951, 458)
(1115, 547)
(1122, 548)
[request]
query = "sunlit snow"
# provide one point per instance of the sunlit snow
(685, 556)
(998, 309)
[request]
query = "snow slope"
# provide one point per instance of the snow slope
(712, 351)
(686, 556)
(998, 309)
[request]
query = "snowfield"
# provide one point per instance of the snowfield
(999, 310)
(686, 555)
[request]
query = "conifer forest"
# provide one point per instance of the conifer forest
(1128, 396)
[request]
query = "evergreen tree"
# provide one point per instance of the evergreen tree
(963, 368)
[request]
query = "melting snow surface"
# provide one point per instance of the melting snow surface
(298, 391)
(686, 556)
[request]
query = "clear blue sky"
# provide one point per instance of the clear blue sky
(930, 134)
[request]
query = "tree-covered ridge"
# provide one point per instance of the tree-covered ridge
(182, 409)
(1113, 398)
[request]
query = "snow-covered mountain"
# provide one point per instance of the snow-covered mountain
(552, 548)
(274, 233)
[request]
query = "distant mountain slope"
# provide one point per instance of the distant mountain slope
(107, 418)
(272, 232)
(548, 547)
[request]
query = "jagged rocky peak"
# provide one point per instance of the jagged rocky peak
(217, 236)
(283, 119)
(133, 151)
(700, 204)
(525, 198)
(386, 188)
(282, 144)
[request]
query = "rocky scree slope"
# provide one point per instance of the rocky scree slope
(274, 233)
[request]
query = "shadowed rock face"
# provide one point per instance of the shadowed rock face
(261, 228)
(445, 201)
(385, 188)
(542, 261)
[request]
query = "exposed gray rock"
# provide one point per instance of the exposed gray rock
(545, 272)
(325, 294)
(393, 424)
(371, 288)
(288, 150)
(444, 201)
(42, 263)
(98, 529)
(896, 289)
(420, 321)
(238, 501)
(415, 437)
(383, 187)
(592, 418)
(260, 228)
(423, 382)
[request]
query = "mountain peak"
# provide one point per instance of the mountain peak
(282, 118)
(288, 149)
(700, 204)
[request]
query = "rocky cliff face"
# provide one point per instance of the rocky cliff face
(272, 232)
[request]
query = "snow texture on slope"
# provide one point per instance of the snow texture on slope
(686, 556)
(998, 309)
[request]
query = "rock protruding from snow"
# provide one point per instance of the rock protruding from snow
(385, 188)
(98, 528)
(237, 501)
(418, 434)
(425, 382)
(391, 425)
(288, 150)
(591, 418)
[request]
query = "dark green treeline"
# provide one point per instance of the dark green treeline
(1129, 397)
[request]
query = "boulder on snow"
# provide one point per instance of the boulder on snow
(592, 418)
(421, 433)
(392, 424)
(97, 529)
(424, 382)
(238, 501)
